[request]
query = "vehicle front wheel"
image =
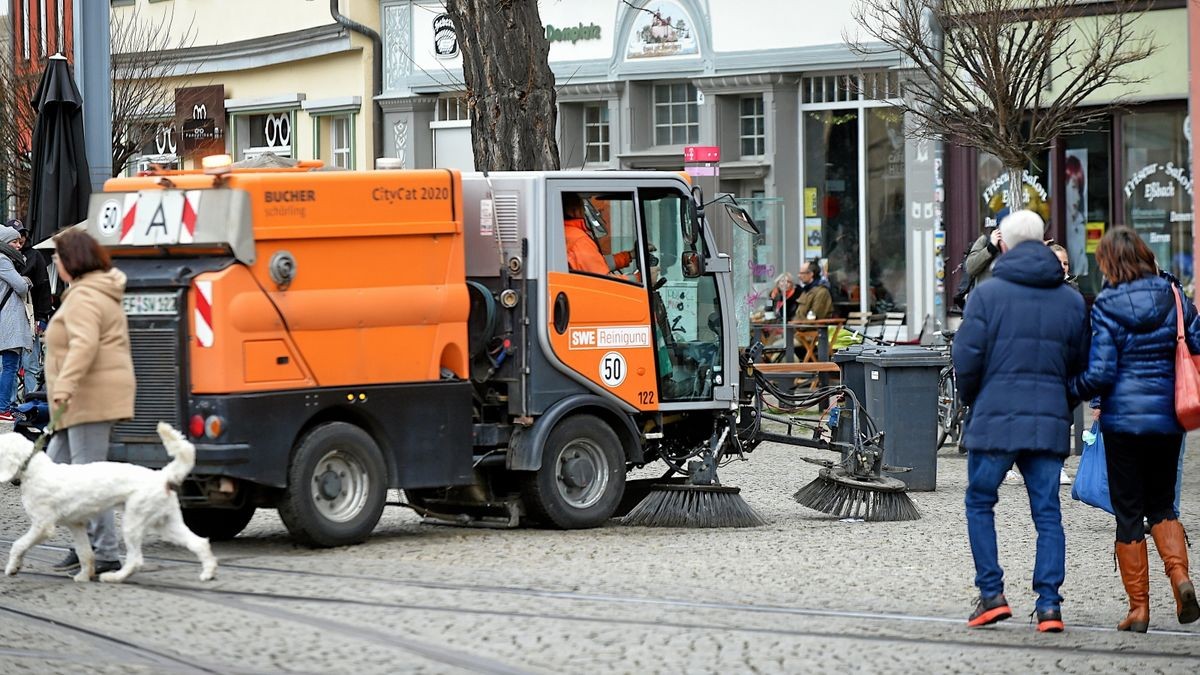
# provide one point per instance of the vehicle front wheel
(337, 485)
(218, 524)
(582, 477)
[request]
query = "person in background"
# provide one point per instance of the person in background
(37, 271)
(89, 372)
(1131, 366)
(1023, 336)
(814, 301)
(15, 333)
(784, 297)
(1064, 257)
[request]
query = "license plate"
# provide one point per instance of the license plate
(149, 303)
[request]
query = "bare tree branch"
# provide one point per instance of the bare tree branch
(1009, 75)
(148, 57)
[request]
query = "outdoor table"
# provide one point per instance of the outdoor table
(808, 330)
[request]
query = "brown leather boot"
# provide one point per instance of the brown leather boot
(1135, 574)
(1172, 548)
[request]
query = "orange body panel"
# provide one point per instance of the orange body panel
(607, 317)
(379, 293)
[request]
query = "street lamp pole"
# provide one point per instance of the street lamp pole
(93, 74)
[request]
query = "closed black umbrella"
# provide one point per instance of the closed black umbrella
(61, 182)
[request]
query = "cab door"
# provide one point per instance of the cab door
(598, 314)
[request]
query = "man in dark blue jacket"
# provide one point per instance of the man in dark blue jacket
(1024, 334)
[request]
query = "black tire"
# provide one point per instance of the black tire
(337, 484)
(218, 524)
(948, 417)
(582, 476)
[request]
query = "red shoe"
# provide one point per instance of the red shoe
(1049, 621)
(6, 416)
(989, 611)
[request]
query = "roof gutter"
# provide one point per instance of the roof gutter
(376, 76)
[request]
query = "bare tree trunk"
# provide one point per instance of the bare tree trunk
(510, 87)
(1016, 188)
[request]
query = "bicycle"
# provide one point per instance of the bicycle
(951, 412)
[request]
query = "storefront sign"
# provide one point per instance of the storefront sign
(661, 29)
(1154, 190)
(701, 153)
(572, 34)
(200, 119)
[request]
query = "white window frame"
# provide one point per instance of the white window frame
(342, 156)
(41, 4)
(603, 145)
(25, 30)
(691, 129)
(758, 138)
(61, 33)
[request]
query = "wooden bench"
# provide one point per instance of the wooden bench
(789, 372)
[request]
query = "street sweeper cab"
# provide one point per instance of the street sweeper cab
(326, 335)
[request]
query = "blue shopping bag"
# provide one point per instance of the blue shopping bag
(1091, 482)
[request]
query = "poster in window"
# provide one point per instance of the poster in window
(1075, 192)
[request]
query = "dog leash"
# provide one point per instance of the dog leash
(40, 444)
(48, 430)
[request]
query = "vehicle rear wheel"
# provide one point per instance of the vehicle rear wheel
(218, 524)
(337, 485)
(582, 476)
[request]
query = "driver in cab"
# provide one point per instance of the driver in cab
(583, 253)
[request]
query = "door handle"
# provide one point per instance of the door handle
(562, 312)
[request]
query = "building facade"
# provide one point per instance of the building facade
(1134, 168)
(284, 78)
(807, 129)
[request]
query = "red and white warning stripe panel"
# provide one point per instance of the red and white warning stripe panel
(202, 317)
(155, 217)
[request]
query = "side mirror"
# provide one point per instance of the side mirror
(741, 218)
(692, 263)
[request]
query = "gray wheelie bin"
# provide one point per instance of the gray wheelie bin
(901, 395)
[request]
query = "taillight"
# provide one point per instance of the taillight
(196, 426)
(213, 426)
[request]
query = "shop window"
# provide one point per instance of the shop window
(676, 114)
(1157, 186)
(160, 149)
(595, 133)
(752, 121)
(1085, 177)
(831, 176)
(269, 132)
(886, 250)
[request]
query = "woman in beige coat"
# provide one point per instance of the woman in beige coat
(89, 371)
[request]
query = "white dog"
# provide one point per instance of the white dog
(70, 494)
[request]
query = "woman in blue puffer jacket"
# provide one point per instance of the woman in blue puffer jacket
(1131, 367)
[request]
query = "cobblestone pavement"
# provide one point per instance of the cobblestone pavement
(805, 593)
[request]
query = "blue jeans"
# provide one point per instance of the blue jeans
(1179, 476)
(10, 362)
(985, 472)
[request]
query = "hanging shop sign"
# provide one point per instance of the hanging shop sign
(445, 40)
(661, 29)
(200, 119)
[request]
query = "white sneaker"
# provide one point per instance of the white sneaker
(1013, 477)
(1063, 478)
